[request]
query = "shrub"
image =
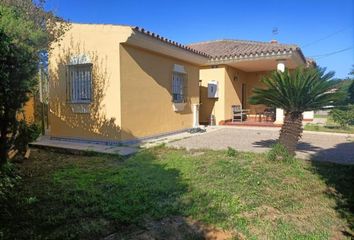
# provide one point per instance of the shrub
(8, 180)
(26, 134)
(279, 153)
(343, 116)
(231, 152)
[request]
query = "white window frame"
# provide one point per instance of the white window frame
(79, 83)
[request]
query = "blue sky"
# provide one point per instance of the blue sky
(321, 27)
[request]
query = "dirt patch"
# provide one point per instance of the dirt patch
(174, 228)
(264, 212)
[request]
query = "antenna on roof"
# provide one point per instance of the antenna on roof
(275, 31)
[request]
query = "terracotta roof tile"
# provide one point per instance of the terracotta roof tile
(234, 48)
(176, 44)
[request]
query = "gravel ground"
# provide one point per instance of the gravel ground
(329, 147)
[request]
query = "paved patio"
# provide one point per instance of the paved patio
(123, 150)
(78, 147)
(330, 147)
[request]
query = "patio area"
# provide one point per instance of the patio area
(252, 121)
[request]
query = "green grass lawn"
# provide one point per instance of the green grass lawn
(80, 197)
(328, 128)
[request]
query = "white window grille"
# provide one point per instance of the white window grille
(79, 87)
(178, 87)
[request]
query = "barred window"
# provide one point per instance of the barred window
(178, 87)
(79, 88)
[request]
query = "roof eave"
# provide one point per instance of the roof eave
(152, 42)
(250, 57)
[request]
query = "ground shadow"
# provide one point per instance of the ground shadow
(99, 198)
(301, 146)
(339, 179)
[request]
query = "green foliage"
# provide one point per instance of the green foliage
(18, 67)
(26, 134)
(39, 24)
(343, 116)
(231, 152)
(351, 93)
(21, 30)
(279, 153)
(345, 89)
(9, 178)
(303, 89)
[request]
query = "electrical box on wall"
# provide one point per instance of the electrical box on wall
(213, 89)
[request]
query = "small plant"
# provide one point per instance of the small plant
(8, 180)
(279, 153)
(231, 152)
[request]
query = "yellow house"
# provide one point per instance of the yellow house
(113, 83)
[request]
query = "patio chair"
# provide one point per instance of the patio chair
(269, 114)
(259, 114)
(238, 114)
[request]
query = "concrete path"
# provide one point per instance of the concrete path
(46, 142)
(330, 147)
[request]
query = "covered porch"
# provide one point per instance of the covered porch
(233, 84)
(228, 81)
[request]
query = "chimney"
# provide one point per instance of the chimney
(273, 41)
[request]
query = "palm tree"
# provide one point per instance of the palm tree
(297, 91)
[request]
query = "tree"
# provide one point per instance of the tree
(304, 89)
(351, 88)
(351, 93)
(18, 66)
(26, 32)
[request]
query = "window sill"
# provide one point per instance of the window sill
(80, 102)
(83, 108)
(178, 107)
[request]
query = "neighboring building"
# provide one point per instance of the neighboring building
(27, 112)
(119, 83)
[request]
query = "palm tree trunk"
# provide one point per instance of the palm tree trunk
(291, 131)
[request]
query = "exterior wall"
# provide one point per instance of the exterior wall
(146, 84)
(28, 111)
(101, 44)
(212, 106)
(234, 79)
(230, 82)
(254, 81)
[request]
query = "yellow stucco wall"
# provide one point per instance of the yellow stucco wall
(146, 84)
(101, 44)
(230, 82)
(28, 111)
(234, 79)
(212, 106)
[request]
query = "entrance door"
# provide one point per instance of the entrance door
(243, 96)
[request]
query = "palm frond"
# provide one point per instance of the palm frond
(302, 89)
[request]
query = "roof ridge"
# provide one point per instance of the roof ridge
(103, 24)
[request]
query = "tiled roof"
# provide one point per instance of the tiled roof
(176, 44)
(236, 48)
